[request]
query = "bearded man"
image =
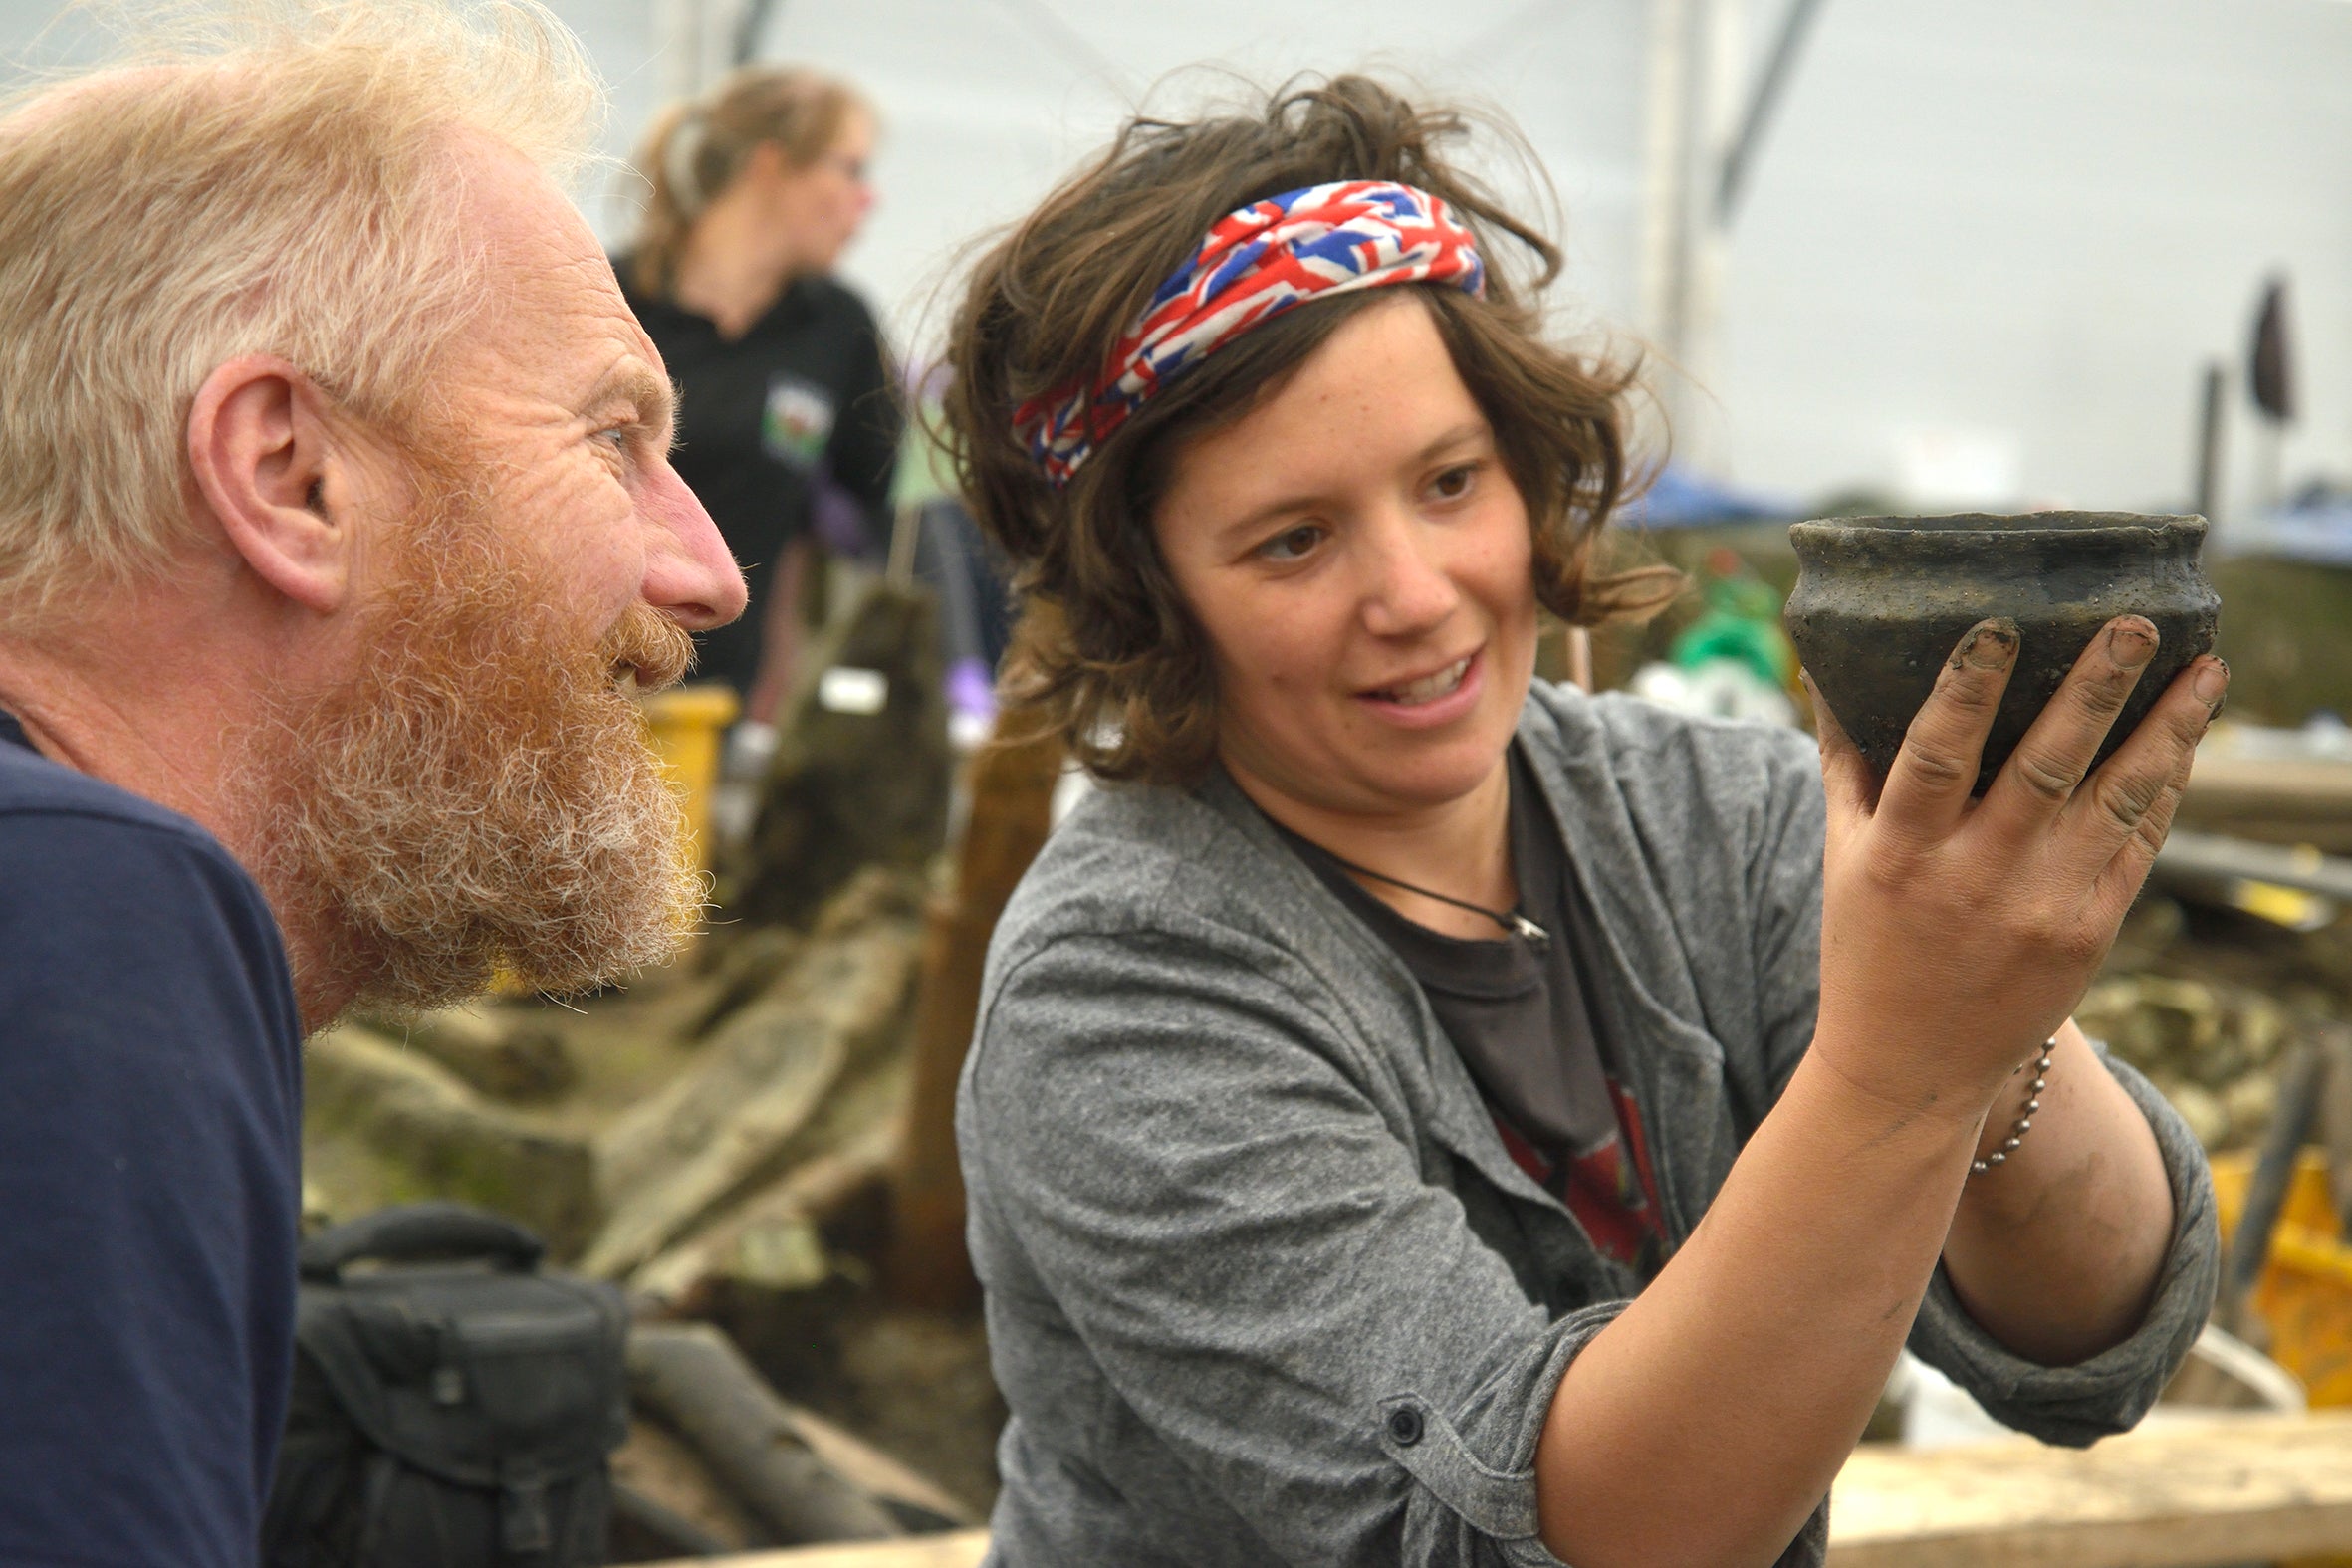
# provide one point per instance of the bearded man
(336, 518)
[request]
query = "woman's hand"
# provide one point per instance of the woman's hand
(1706, 1420)
(1957, 935)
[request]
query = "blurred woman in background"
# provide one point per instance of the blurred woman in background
(786, 426)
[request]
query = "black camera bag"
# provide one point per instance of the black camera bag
(453, 1409)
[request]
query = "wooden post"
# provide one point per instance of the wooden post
(1012, 793)
(1579, 651)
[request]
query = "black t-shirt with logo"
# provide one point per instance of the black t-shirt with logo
(767, 423)
(1518, 1012)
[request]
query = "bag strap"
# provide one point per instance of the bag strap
(415, 1232)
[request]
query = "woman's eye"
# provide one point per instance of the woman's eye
(1291, 544)
(1456, 482)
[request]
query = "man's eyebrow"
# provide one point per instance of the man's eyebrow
(631, 381)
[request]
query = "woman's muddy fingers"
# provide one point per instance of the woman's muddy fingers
(2041, 775)
(2127, 807)
(1935, 772)
(1846, 775)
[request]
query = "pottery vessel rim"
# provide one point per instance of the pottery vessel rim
(2010, 524)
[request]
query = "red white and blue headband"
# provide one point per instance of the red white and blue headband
(1254, 264)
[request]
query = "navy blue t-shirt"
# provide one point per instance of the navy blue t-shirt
(150, 1187)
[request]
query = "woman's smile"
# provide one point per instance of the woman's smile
(1430, 700)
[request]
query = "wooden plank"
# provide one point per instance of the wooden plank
(2181, 1496)
(2277, 799)
(2184, 1496)
(959, 1549)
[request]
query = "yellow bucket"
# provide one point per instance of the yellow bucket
(2305, 1292)
(686, 725)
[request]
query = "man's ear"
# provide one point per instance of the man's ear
(260, 442)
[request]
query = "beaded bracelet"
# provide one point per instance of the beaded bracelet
(2024, 1122)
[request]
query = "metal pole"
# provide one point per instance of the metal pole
(2209, 444)
(1717, 53)
(1665, 137)
(1761, 105)
(678, 27)
(751, 27)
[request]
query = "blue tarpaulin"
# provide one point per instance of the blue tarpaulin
(1680, 497)
(2315, 526)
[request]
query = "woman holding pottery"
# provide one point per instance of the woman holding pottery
(1424, 1115)
(786, 426)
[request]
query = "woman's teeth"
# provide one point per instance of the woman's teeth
(1430, 687)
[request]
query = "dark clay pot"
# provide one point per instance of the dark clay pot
(1881, 602)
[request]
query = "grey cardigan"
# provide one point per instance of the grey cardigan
(1263, 1284)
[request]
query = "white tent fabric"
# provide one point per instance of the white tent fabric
(986, 103)
(1983, 251)
(1982, 255)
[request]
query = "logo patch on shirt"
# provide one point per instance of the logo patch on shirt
(799, 421)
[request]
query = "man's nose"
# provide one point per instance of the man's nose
(689, 572)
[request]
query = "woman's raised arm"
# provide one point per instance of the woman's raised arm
(1707, 1422)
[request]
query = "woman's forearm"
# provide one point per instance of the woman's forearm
(1705, 1423)
(2056, 1251)
(1706, 1420)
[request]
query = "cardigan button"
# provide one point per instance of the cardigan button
(1404, 1426)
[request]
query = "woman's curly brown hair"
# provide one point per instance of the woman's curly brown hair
(1106, 653)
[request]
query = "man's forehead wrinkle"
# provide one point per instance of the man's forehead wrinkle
(558, 343)
(508, 200)
(533, 236)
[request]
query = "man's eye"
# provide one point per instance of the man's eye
(1291, 544)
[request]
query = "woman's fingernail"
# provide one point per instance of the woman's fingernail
(1990, 646)
(2211, 681)
(2131, 644)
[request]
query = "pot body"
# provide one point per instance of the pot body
(1881, 602)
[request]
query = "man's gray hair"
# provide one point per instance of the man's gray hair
(273, 177)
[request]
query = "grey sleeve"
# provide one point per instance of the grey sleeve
(1784, 876)
(1188, 1146)
(2109, 1393)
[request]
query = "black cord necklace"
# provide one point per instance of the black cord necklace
(1514, 923)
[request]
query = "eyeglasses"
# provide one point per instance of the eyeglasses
(850, 168)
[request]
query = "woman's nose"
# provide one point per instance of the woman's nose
(1411, 589)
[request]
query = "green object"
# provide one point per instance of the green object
(924, 473)
(1741, 623)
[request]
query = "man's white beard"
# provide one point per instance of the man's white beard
(479, 796)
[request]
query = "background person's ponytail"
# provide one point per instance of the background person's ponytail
(695, 147)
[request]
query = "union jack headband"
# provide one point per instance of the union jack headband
(1256, 263)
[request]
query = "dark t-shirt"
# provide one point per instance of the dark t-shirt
(766, 422)
(151, 1189)
(1516, 1012)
